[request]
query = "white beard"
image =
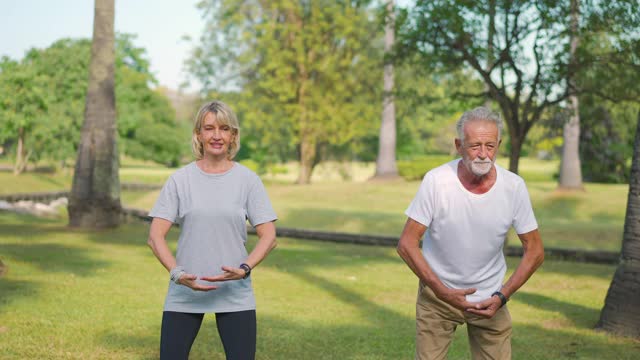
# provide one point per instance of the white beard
(481, 167)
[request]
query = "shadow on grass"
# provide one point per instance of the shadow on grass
(135, 233)
(10, 289)
(318, 254)
(53, 257)
(138, 344)
(385, 333)
(577, 271)
(280, 337)
(369, 222)
(537, 342)
(580, 316)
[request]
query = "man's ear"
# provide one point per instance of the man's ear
(458, 144)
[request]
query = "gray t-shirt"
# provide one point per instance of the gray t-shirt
(212, 210)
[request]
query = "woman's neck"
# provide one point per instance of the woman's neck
(213, 165)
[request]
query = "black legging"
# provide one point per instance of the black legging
(237, 331)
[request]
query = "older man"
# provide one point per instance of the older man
(466, 207)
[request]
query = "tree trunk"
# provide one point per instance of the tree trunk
(95, 195)
(3, 269)
(514, 153)
(307, 158)
(621, 312)
(21, 158)
(491, 32)
(570, 171)
(386, 162)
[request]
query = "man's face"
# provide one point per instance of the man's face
(480, 146)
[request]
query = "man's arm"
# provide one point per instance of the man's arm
(531, 259)
(409, 250)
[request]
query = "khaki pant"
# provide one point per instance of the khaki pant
(436, 322)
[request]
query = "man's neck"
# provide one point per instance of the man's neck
(476, 184)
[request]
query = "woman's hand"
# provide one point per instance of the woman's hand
(230, 273)
(189, 280)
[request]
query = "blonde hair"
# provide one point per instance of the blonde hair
(225, 116)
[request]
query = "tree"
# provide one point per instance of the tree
(621, 311)
(302, 69)
(570, 169)
(527, 64)
(606, 139)
(386, 162)
(21, 110)
(48, 90)
(95, 195)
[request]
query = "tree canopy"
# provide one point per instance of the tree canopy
(46, 105)
(308, 72)
(519, 49)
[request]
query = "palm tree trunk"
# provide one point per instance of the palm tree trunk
(95, 194)
(386, 166)
(621, 312)
(490, 48)
(570, 171)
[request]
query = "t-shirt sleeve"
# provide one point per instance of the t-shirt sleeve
(422, 207)
(259, 209)
(524, 219)
(166, 207)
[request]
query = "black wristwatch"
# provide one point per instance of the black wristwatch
(247, 270)
(503, 298)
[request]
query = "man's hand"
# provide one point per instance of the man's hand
(230, 273)
(487, 308)
(189, 280)
(457, 297)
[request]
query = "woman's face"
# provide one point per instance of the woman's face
(215, 137)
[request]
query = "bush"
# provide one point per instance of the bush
(416, 168)
(251, 164)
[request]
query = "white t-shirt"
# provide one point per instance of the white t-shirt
(466, 231)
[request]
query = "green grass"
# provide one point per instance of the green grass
(61, 180)
(99, 295)
(590, 220)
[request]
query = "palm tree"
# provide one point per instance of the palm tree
(95, 194)
(621, 312)
(386, 162)
(570, 171)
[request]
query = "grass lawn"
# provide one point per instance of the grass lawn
(590, 220)
(98, 295)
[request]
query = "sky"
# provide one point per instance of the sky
(159, 25)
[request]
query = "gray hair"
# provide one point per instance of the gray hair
(479, 113)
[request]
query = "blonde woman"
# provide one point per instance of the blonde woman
(211, 199)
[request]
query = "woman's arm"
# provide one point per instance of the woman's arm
(158, 244)
(266, 242)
